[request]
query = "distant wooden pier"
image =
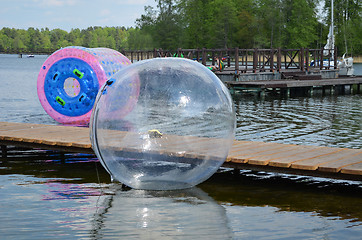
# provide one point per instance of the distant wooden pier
(290, 87)
(308, 160)
(252, 60)
(284, 71)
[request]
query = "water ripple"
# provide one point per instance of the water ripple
(332, 121)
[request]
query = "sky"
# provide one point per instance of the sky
(70, 14)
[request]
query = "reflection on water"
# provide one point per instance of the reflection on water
(52, 206)
(138, 214)
(287, 206)
(56, 200)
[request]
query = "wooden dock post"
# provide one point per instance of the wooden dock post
(213, 58)
(321, 59)
(286, 92)
(255, 60)
(301, 61)
(154, 53)
(323, 90)
(307, 59)
(4, 151)
(335, 58)
(279, 60)
(204, 56)
(237, 61)
(261, 93)
(271, 60)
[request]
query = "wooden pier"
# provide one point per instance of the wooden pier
(306, 160)
(253, 60)
(285, 71)
(287, 87)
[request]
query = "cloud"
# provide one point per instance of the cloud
(56, 3)
(68, 14)
(105, 12)
(131, 2)
(135, 2)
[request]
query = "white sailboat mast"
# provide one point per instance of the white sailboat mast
(332, 23)
(329, 47)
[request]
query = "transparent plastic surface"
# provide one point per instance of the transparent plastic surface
(162, 124)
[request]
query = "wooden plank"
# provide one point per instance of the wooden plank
(212, 149)
(8, 126)
(263, 158)
(252, 156)
(345, 158)
(48, 147)
(44, 134)
(355, 169)
(256, 147)
(238, 145)
(238, 148)
(295, 83)
(76, 139)
(309, 77)
(285, 158)
(312, 159)
(180, 146)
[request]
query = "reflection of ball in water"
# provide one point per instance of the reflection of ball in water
(165, 123)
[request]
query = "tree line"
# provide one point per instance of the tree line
(43, 40)
(209, 23)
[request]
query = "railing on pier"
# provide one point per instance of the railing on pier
(249, 60)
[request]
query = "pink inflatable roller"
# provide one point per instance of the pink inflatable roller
(70, 78)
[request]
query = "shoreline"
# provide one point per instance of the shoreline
(356, 59)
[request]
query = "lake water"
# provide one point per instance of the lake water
(45, 195)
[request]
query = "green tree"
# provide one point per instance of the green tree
(222, 23)
(245, 24)
(110, 42)
(269, 23)
(138, 40)
(34, 39)
(5, 42)
(196, 18)
(300, 23)
(45, 40)
(121, 38)
(89, 38)
(74, 37)
(58, 38)
(18, 45)
(163, 24)
(348, 24)
(101, 36)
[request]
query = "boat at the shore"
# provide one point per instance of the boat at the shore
(346, 64)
